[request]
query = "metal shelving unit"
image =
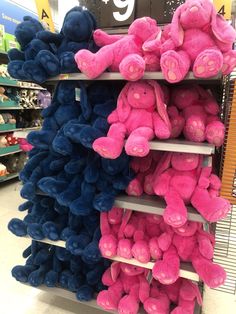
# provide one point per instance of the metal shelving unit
(19, 108)
(34, 128)
(11, 153)
(9, 177)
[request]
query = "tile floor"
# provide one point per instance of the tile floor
(15, 297)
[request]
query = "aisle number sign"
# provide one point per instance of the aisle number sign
(44, 13)
(223, 7)
(128, 5)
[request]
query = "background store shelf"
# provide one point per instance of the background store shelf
(34, 128)
(9, 177)
(117, 76)
(151, 205)
(4, 81)
(19, 108)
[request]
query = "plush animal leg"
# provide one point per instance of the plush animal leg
(211, 208)
(208, 63)
(94, 64)
(132, 67)
(157, 305)
(109, 299)
(111, 145)
(129, 304)
(101, 38)
(229, 62)
(137, 143)
(175, 213)
(213, 275)
(135, 186)
(176, 120)
(167, 269)
(124, 248)
(194, 129)
(175, 65)
(141, 252)
(162, 130)
(107, 243)
(215, 133)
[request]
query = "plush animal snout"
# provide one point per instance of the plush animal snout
(193, 9)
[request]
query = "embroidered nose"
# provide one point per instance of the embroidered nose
(193, 9)
(136, 96)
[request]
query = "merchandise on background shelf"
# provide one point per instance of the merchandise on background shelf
(24, 145)
(122, 53)
(37, 60)
(3, 97)
(3, 170)
(15, 163)
(44, 99)
(28, 98)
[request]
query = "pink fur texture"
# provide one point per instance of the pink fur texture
(195, 111)
(147, 237)
(127, 287)
(122, 53)
(140, 115)
(198, 39)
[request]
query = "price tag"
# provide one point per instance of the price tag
(77, 94)
(223, 7)
(64, 76)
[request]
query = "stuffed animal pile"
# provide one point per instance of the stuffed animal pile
(198, 39)
(44, 54)
(81, 159)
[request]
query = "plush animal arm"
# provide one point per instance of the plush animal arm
(101, 38)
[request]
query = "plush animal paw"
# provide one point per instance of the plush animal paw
(215, 133)
(141, 252)
(108, 245)
(137, 146)
(194, 129)
(86, 62)
(124, 248)
(132, 67)
(107, 300)
(128, 305)
(167, 272)
(35, 231)
(15, 69)
(175, 217)
(49, 62)
(51, 231)
(18, 227)
(208, 63)
(107, 147)
(158, 305)
(229, 62)
(174, 66)
(34, 72)
(135, 188)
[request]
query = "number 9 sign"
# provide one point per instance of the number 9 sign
(129, 4)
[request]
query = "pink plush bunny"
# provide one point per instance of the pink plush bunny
(24, 145)
(190, 244)
(182, 293)
(127, 287)
(181, 179)
(122, 53)
(199, 39)
(195, 111)
(141, 114)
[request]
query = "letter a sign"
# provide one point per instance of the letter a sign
(44, 13)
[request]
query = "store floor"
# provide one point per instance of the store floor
(15, 297)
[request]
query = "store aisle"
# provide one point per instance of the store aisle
(15, 297)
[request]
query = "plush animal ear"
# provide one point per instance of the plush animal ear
(104, 224)
(91, 17)
(123, 106)
(161, 106)
(126, 217)
(222, 30)
(115, 270)
(177, 32)
(163, 164)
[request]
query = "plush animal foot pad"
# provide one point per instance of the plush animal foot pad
(208, 64)
(132, 67)
(107, 148)
(139, 147)
(215, 133)
(108, 246)
(107, 301)
(17, 227)
(15, 70)
(35, 231)
(194, 129)
(134, 188)
(86, 62)
(51, 233)
(166, 273)
(49, 62)
(174, 219)
(229, 62)
(173, 67)
(212, 275)
(156, 306)
(221, 209)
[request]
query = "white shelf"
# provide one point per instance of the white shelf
(186, 270)
(151, 205)
(183, 146)
(117, 76)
